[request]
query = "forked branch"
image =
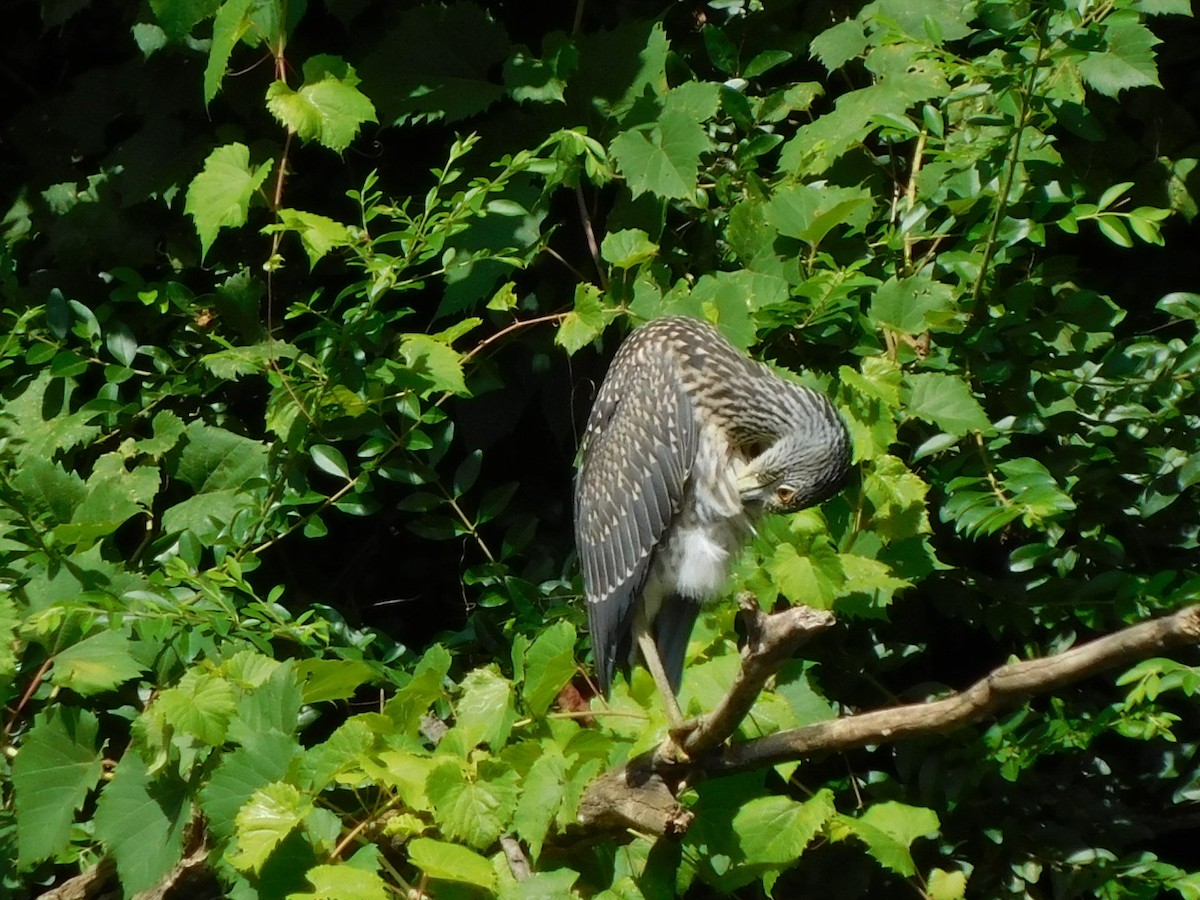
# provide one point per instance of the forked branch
(640, 795)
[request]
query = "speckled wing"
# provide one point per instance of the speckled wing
(637, 454)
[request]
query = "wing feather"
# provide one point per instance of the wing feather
(637, 454)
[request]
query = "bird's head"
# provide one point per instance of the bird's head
(798, 470)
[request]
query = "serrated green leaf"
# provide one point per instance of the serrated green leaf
(484, 714)
(436, 362)
(775, 830)
(332, 679)
(329, 108)
(888, 830)
(814, 577)
(412, 700)
(947, 402)
(269, 816)
(345, 882)
(810, 212)
(943, 885)
(58, 764)
(318, 234)
(200, 705)
(474, 808)
(142, 821)
(219, 196)
(542, 791)
(451, 862)
(627, 248)
(836, 46)
(96, 664)
(242, 771)
(229, 26)
(550, 664)
(663, 159)
(583, 324)
(1127, 60)
(914, 305)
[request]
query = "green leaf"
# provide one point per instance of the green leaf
(943, 885)
(114, 495)
(179, 17)
(947, 402)
(271, 814)
(627, 248)
(914, 305)
(142, 821)
(439, 364)
(810, 212)
(200, 705)
(475, 808)
(888, 829)
(775, 830)
(550, 664)
(814, 578)
(344, 882)
(242, 771)
(318, 234)
(329, 108)
(542, 792)
(219, 197)
(330, 459)
(58, 764)
(451, 862)
(662, 159)
(412, 700)
(96, 664)
(229, 26)
(332, 679)
(1127, 60)
(836, 46)
(583, 324)
(484, 713)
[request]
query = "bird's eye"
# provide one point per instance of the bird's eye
(785, 495)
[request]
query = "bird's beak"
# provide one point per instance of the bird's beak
(747, 483)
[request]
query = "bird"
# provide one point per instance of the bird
(689, 442)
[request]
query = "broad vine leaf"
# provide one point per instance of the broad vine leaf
(473, 807)
(542, 791)
(451, 862)
(328, 108)
(549, 664)
(436, 362)
(662, 159)
(58, 764)
(913, 305)
(270, 815)
(775, 830)
(484, 714)
(230, 24)
(947, 402)
(219, 196)
(343, 882)
(888, 829)
(142, 820)
(96, 664)
(200, 705)
(583, 324)
(1127, 60)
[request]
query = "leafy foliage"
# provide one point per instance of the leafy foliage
(294, 296)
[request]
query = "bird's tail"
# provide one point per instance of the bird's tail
(672, 630)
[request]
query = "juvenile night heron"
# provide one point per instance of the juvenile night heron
(688, 443)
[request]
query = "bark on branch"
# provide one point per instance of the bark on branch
(640, 795)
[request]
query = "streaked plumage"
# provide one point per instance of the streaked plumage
(688, 443)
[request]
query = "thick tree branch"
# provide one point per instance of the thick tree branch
(641, 793)
(771, 640)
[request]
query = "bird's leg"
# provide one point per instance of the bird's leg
(649, 651)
